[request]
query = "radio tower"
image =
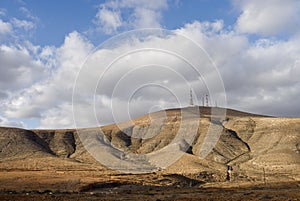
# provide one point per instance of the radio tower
(191, 98)
(206, 100)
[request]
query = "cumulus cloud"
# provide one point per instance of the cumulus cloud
(42, 98)
(18, 69)
(145, 79)
(267, 79)
(149, 73)
(260, 76)
(268, 17)
(142, 14)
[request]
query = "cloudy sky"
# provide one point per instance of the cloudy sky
(250, 50)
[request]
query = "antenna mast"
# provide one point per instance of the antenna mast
(206, 96)
(191, 98)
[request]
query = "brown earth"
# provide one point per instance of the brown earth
(256, 156)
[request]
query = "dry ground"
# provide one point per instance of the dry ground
(286, 192)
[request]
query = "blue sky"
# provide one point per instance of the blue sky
(55, 19)
(43, 44)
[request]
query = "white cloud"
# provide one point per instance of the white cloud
(42, 98)
(268, 78)
(109, 20)
(146, 18)
(261, 77)
(18, 69)
(151, 75)
(268, 17)
(258, 77)
(50, 100)
(58, 117)
(140, 14)
(5, 27)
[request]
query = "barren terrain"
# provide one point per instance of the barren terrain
(255, 158)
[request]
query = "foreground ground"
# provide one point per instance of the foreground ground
(286, 191)
(97, 185)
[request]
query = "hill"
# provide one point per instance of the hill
(249, 149)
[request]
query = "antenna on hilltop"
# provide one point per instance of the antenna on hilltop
(191, 98)
(206, 97)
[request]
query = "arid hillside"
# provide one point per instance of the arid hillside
(248, 150)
